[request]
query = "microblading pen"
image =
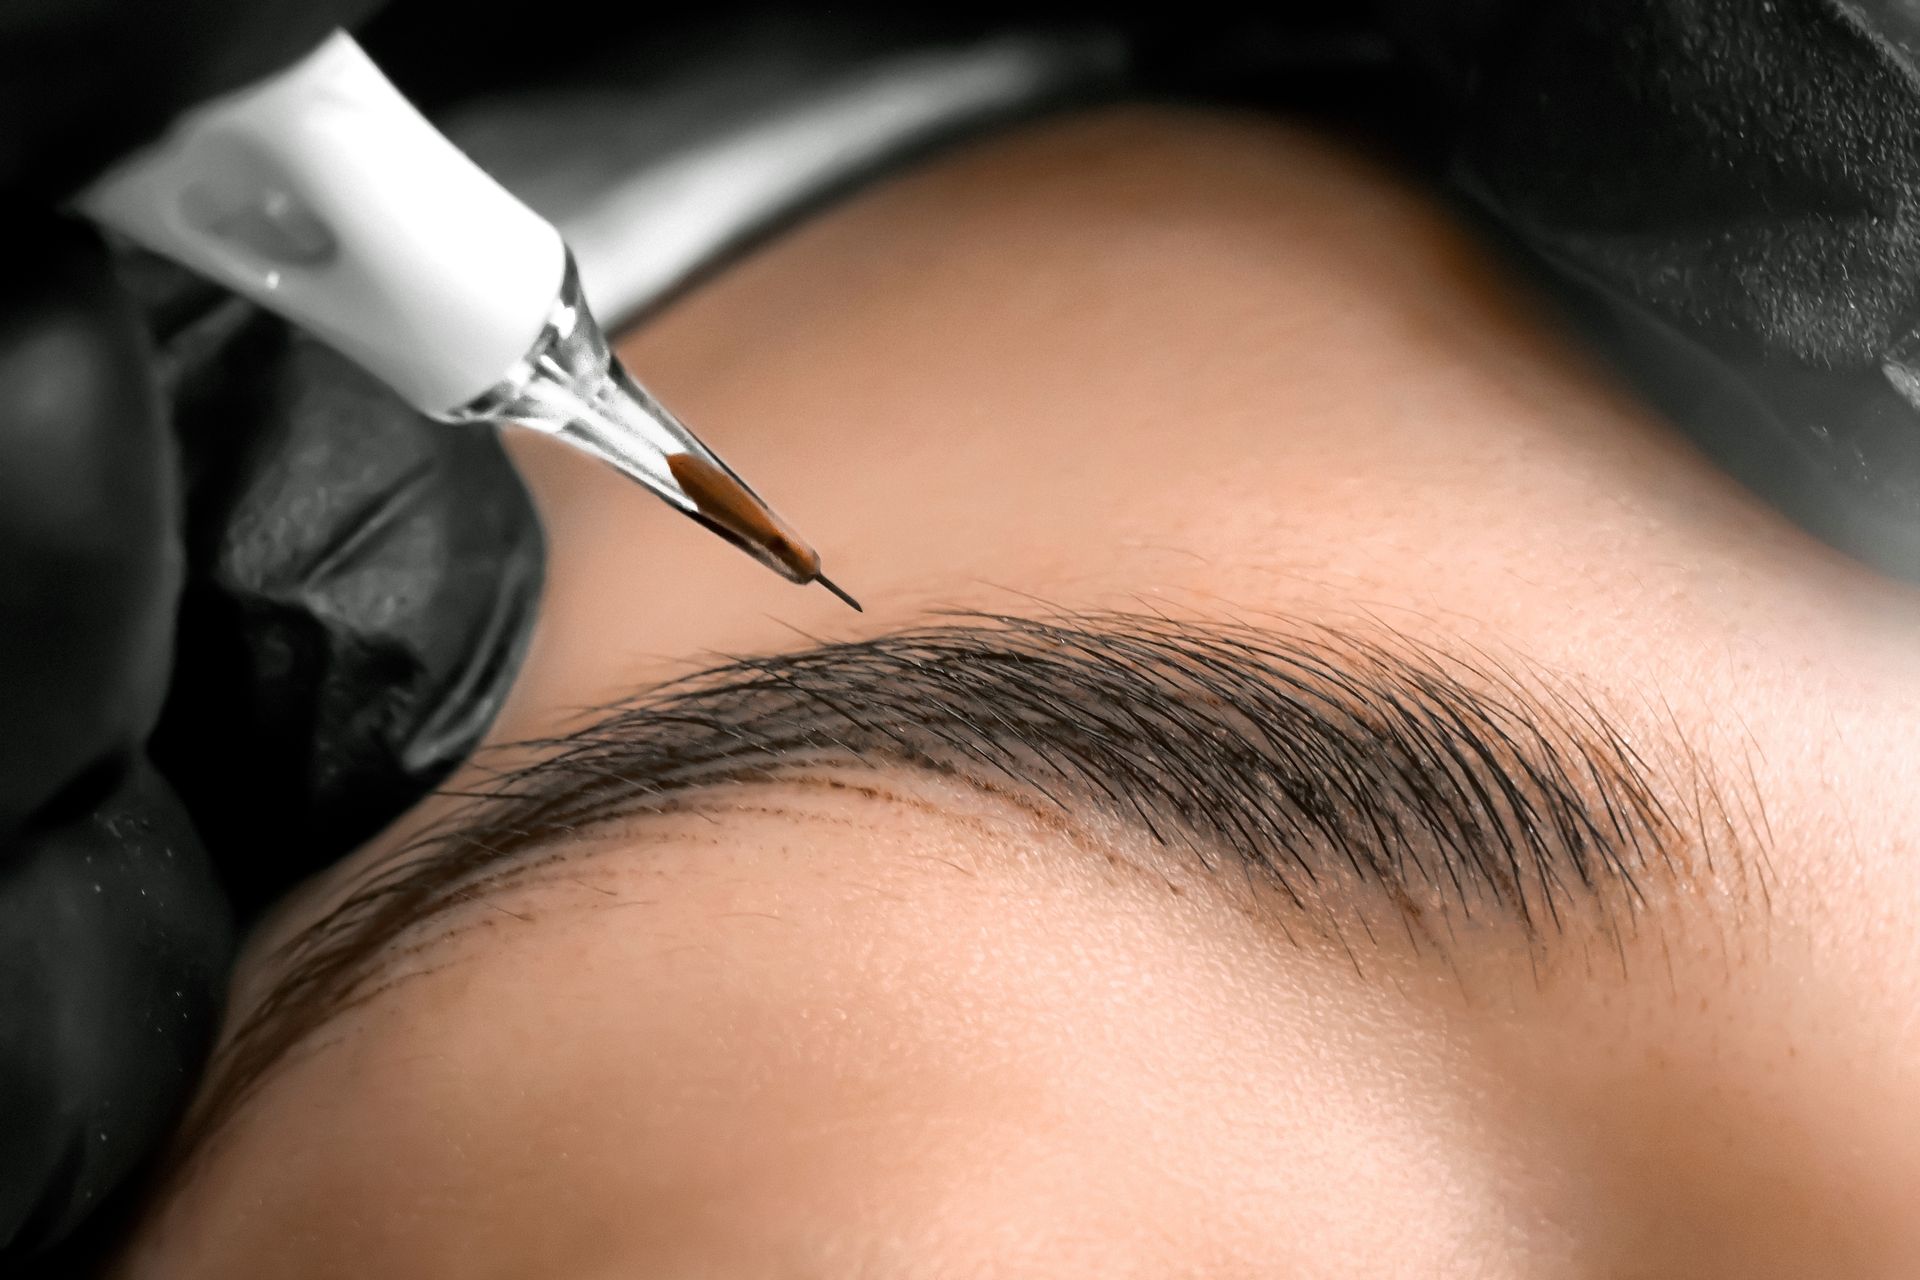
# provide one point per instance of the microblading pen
(324, 196)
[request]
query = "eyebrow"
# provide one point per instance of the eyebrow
(1297, 755)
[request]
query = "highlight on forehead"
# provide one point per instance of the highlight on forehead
(1317, 762)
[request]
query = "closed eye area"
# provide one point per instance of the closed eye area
(1326, 785)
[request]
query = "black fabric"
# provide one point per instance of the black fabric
(1748, 170)
(1727, 193)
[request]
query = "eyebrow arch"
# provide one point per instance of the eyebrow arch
(1294, 753)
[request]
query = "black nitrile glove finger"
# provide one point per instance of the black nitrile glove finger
(114, 945)
(112, 937)
(362, 585)
(89, 545)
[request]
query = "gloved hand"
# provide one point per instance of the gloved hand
(250, 605)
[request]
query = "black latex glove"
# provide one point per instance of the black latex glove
(250, 606)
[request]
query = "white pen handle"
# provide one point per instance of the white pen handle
(323, 195)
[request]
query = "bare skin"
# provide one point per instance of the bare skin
(1214, 368)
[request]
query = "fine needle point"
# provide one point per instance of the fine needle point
(828, 583)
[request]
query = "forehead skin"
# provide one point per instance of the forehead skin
(1210, 367)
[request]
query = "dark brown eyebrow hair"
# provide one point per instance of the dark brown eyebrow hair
(1294, 754)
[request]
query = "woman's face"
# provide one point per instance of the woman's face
(1152, 374)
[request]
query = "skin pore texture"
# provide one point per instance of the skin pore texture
(883, 1021)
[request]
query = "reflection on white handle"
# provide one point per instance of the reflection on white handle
(323, 195)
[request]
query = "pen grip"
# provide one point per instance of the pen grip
(322, 194)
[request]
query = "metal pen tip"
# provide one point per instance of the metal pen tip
(570, 385)
(830, 585)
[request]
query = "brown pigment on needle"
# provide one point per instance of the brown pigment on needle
(726, 502)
